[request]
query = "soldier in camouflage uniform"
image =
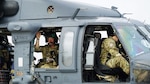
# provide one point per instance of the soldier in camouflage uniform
(4, 54)
(111, 57)
(4, 59)
(1, 60)
(49, 51)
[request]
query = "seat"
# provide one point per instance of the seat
(98, 67)
(97, 49)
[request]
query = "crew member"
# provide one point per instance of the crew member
(49, 51)
(111, 57)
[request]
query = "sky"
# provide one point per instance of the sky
(137, 9)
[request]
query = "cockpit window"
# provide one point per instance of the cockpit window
(133, 41)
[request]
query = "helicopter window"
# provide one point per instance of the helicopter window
(46, 47)
(67, 55)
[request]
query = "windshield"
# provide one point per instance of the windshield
(133, 41)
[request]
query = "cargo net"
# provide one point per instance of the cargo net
(4, 76)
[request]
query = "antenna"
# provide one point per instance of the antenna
(114, 8)
(126, 14)
(75, 13)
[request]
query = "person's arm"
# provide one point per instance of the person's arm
(114, 52)
(38, 34)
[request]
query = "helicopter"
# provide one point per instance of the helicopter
(78, 27)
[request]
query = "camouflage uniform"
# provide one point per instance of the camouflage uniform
(4, 58)
(111, 57)
(50, 56)
(141, 76)
(1, 60)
